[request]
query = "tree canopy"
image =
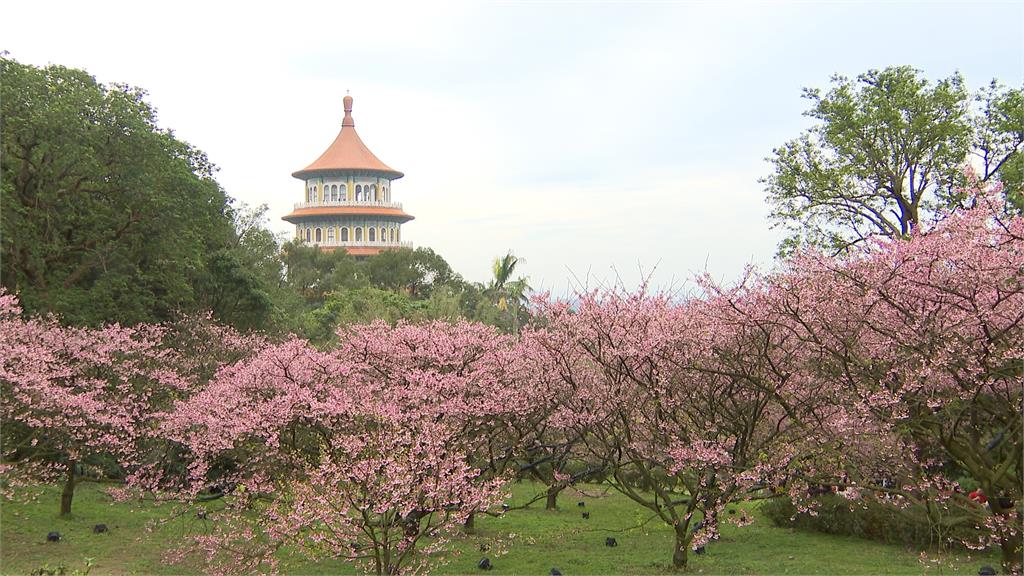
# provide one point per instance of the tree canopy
(107, 216)
(888, 150)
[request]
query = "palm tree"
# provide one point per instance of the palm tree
(503, 269)
(505, 290)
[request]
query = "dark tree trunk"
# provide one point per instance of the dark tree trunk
(470, 522)
(69, 491)
(552, 500)
(681, 548)
(1011, 547)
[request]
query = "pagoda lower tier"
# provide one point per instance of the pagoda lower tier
(361, 228)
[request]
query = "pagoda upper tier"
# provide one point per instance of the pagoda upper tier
(348, 198)
(347, 152)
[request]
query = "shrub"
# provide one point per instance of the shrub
(870, 520)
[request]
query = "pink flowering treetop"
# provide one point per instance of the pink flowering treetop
(353, 454)
(72, 396)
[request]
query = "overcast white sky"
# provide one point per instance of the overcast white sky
(588, 138)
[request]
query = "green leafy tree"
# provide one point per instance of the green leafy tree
(335, 289)
(998, 137)
(417, 272)
(314, 273)
(106, 217)
(359, 306)
(888, 150)
(445, 303)
(234, 291)
(242, 283)
(395, 270)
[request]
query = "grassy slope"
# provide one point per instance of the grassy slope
(541, 541)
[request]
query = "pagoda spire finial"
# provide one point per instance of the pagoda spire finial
(348, 121)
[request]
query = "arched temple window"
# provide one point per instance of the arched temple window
(330, 234)
(359, 192)
(307, 234)
(372, 235)
(318, 235)
(359, 234)
(334, 192)
(344, 234)
(392, 234)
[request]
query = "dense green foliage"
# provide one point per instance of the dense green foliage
(325, 290)
(242, 280)
(887, 151)
(108, 217)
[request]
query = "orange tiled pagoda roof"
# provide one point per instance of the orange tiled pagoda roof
(347, 152)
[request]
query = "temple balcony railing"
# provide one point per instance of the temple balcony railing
(331, 203)
(360, 244)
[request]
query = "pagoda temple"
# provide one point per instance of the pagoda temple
(347, 197)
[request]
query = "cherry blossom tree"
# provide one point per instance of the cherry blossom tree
(919, 346)
(495, 395)
(74, 397)
(358, 453)
(466, 375)
(677, 400)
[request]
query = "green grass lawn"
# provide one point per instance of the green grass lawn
(540, 540)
